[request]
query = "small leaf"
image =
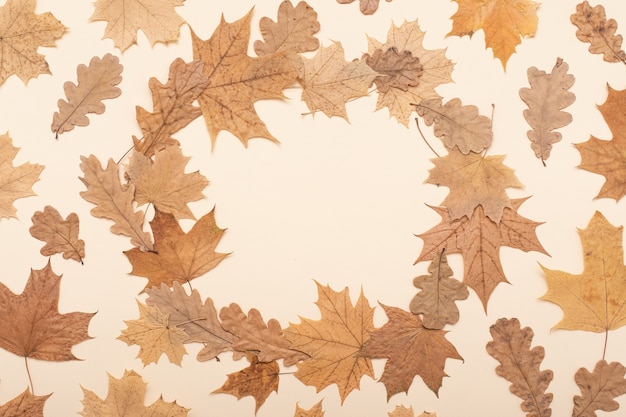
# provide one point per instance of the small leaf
(398, 69)
(595, 29)
(315, 411)
(25, 404)
(60, 235)
(599, 388)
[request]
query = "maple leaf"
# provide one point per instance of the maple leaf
(402, 411)
(164, 182)
(178, 256)
(545, 99)
(15, 182)
(595, 29)
(367, 6)
(96, 82)
(30, 324)
(126, 399)
(328, 81)
(456, 124)
(315, 411)
(237, 81)
(198, 320)
(155, 335)
(113, 201)
(599, 388)
(22, 32)
(157, 19)
(25, 404)
(474, 180)
(398, 69)
(411, 350)
(503, 21)
(519, 364)
(608, 158)
(258, 380)
(60, 235)
(596, 299)
(334, 342)
(479, 239)
(439, 292)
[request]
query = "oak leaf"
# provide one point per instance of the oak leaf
(596, 299)
(157, 19)
(237, 81)
(178, 256)
(334, 342)
(367, 6)
(60, 235)
(96, 82)
(546, 98)
(126, 398)
(608, 157)
(599, 388)
(411, 350)
(439, 292)
(595, 29)
(31, 325)
(25, 404)
(23, 32)
(398, 69)
(519, 364)
(315, 411)
(15, 181)
(503, 21)
(113, 201)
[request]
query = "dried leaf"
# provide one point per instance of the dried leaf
(60, 235)
(595, 29)
(315, 411)
(402, 411)
(400, 69)
(96, 82)
(519, 364)
(599, 388)
(367, 6)
(545, 99)
(25, 404)
(15, 182)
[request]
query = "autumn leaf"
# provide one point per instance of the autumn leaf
(456, 124)
(164, 182)
(402, 411)
(439, 292)
(595, 300)
(519, 364)
(113, 201)
(15, 181)
(31, 325)
(595, 29)
(177, 256)
(126, 399)
(334, 342)
(258, 380)
(608, 157)
(367, 6)
(237, 81)
(328, 81)
(157, 19)
(25, 404)
(315, 411)
(96, 82)
(22, 32)
(545, 99)
(397, 69)
(599, 388)
(503, 21)
(60, 235)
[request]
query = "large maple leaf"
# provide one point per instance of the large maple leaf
(25, 404)
(237, 81)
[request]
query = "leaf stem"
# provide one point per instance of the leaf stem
(606, 339)
(30, 380)
(423, 137)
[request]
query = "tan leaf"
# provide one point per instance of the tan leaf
(15, 181)
(399, 69)
(595, 29)
(519, 364)
(25, 404)
(545, 99)
(126, 399)
(113, 201)
(157, 19)
(456, 124)
(367, 6)
(599, 388)
(315, 411)
(60, 235)
(96, 82)
(402, 411)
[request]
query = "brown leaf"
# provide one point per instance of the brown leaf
(60, 235)
(113, 201)
(519, 364)
(367, 6)
(23, 32)
(545, 99)
(315, 411)
(439, 292)
(30, 323)
(402, 411)
(401, 69)
(15, 182)
(157, 19)
(25, 404)
(96, 82)
(595, 29)
(599, 388)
